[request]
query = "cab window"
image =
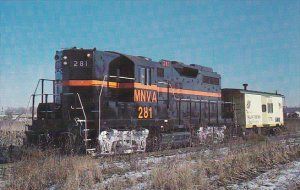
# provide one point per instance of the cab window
(160, 72)
(145, 76)
(142, 75)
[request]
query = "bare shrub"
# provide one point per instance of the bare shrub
(292, 125)
(209, 173)
(256, 137)
(174, 176)
(12, 125)
(251, 162)
(200, 178)
(41, 170)
(117, 184)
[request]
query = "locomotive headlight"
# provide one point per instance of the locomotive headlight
(65, 57)
(65, 63)
(88, 55)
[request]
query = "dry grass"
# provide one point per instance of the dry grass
(117, 184)
(244, 165)
(294, 186)
(235, 167)
(41, 170)
(173, 176)
(12, 125)
(293, 125)
(255, 138)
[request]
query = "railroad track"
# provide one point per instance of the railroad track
(141, 165)
(292, 139)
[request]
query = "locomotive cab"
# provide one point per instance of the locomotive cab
(121, 79)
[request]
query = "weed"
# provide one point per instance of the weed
(41, 170)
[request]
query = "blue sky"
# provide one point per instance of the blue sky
(254, 42)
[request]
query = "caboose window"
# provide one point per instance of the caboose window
(270, 108)
(263, 108)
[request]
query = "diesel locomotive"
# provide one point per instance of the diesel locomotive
(118, 103)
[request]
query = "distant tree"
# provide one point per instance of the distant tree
(15, 110)
(8, 114)
(9, 111)
(7, 117)
(293, 115)
(20, 110)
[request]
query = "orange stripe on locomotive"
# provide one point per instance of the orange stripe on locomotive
(143, 93)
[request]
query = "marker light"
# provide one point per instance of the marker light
(88, 55)
(65, 63)
(65, 57)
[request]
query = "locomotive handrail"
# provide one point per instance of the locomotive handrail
(169, 84)
(39, 83)
(186, 99)
(45, 94)
(100, 93)
(67, 94)
(211, 101)
(42, 93)
(81, 105)
(32, 97)
(129, 78)
(195, 100)
(85, 118)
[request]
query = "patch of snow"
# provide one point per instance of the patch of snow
(54, 187)
(2, 184)
(138, 186)
(279, 178)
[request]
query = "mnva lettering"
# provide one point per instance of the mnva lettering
(144, 96)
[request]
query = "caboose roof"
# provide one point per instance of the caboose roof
(243, 91)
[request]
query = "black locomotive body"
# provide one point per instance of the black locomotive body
(112, 98)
